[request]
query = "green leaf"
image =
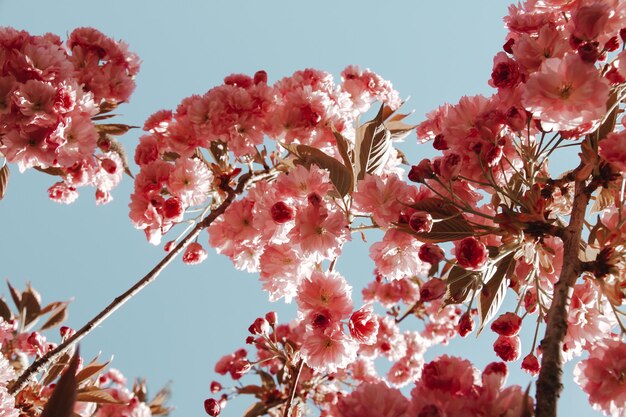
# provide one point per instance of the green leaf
(494, 290)
(61, 402)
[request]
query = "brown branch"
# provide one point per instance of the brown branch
(49, 357)
(294, 388)
(549, 385)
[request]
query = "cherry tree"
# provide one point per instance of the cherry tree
(279, 177)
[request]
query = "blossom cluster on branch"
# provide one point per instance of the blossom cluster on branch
(282, 175)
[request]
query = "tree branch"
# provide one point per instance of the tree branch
(52, 355)
(549, 385)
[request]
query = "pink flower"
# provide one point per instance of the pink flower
(328, 351)
(508, 324)
(282, 269)
(194, 254)
(613, 149)
(601, 376)
(191, 181)
(320, 232)
(448, 374)
(432, 289)
(471, 253)
(421, 222)
(396, 256)
(567, 94)
(363, 325)
(373, 400)
(62, 193)
(325, 292)
(382, 197)
(530, 364)
(506, 72)
(507, 348)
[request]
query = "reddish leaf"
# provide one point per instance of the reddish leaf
(55, 319)
(5, 311)
(114, 128)
(494, 291)
(56, 172)
(90, 370)
(96, 395)
(16, 296)
(53, 371)
(459, 283)
(61, 402)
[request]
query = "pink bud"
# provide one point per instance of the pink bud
(440, 143)
(194, 254)
(169, 246)
(432, 290)
(260, 326)
(466, 325)
(421, 222)
(271, 318)
(260, 77)
(450, 166)
(109, 165)
(66, 332)
(507, 348)
(212, 407)
(173, 209)
(363, 325)
(431, 253)
(215, 387)
(421, 171)
(530, 364)
(471, 253)
(239, 369)
(281, 212)
(508, 324)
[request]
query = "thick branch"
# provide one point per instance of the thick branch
(49, 357)
(549, 384)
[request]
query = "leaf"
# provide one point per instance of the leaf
(103, 117)
(436, 207)
(54, 171)
(527, 410)
(494, 291)
(608, 124)
(250, 389)
(399, 130)
(30, 304)
(54, 370)
(115, 129)
(459, 283)
(98, 396)
(256, 409)
(340, 176)
(55, 319)
(447, 230)
(5, 311)
(90, 370)
(119, 149)
(346, 153)
(372, 148)
(61, 402)
(106, 107)
(603, 199)
(4, 180)
(16, 296)
(267, 379)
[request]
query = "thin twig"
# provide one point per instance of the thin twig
(294, 388)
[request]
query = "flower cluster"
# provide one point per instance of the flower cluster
(99, 392)
(51, 95)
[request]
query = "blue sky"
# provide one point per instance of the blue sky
(177, 328)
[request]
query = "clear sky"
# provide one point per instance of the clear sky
(433, 51)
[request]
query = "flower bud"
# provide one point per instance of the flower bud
(421, 222)
(432, 290)
(471, 253)
(212, 407)
(194, 254)
(508, 324)
(271, 318)
(530, 364)
(109, 165)
(421, 171)
(431, 253)
(466, 325)
(215, 387)
(173, 209)
(507, 348)
(260, 326)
